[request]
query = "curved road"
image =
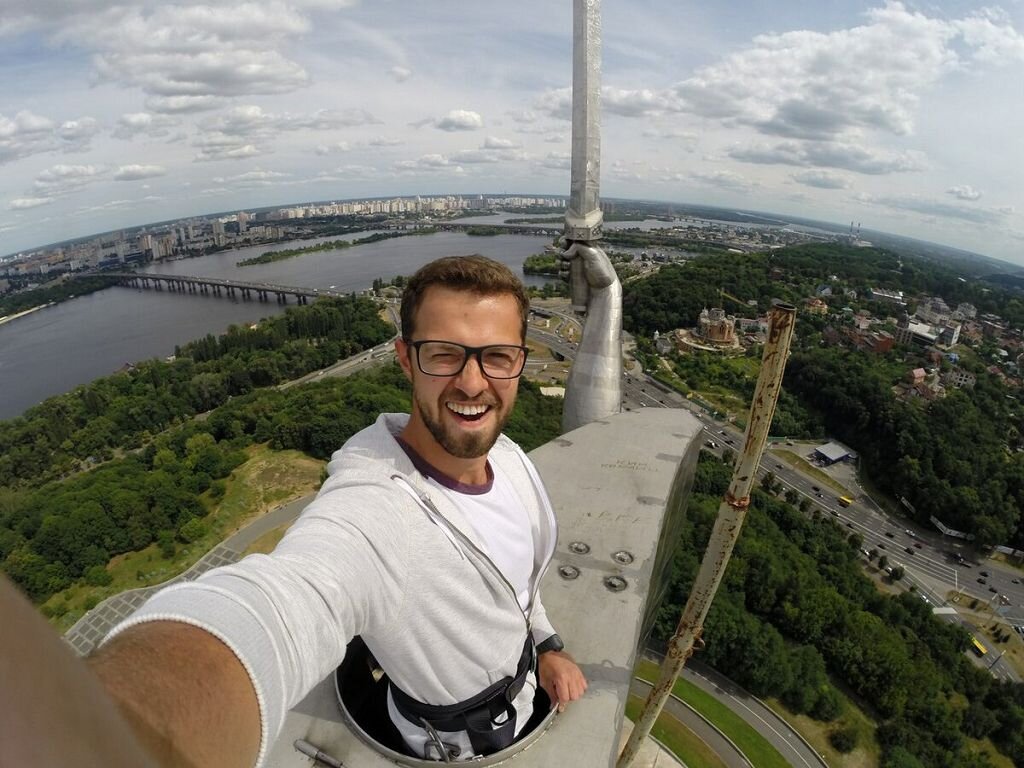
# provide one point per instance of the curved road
(717, 743)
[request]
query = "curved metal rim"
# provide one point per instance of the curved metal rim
(414, 762)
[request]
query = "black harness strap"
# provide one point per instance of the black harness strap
(479, 715)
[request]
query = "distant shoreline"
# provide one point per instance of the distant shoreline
(16, 315)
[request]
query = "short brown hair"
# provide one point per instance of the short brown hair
(475, 274)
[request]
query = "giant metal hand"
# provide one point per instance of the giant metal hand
(594, 388)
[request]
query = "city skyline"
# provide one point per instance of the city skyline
(891, 115)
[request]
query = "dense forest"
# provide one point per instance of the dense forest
(95, 421)
(909, 449)
(66, 530)
(795, 613)
(18, 302)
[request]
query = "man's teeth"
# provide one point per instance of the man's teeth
(468, 410)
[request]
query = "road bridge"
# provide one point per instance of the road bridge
(219, 287)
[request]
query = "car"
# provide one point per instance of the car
(909, 550)
(981, 580)
(815, 488)
(890, 535)
(820, 495)
(918, 545)
(849, 525)
(992, 589)
(1015, 581)
(836, 514)
(985, 574)
(910, 533)
(1018, 629)
(881, 545)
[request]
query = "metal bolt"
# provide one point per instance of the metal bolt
(622, 557)
(579, 548)
(568, 572)
(615, 583)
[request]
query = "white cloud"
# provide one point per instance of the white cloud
(24, 203)
(250, 176)
(183, 55)
(493, 142)
(400, 74)
(670, 134)
(524, 116)
(821, 180)
(937, 208)
(471, 156)
(327, 149)
(132, 124)
(76, 134)
(384, 141)
(425, 161)
(458, 120)
(226, 148)
(724, 179)
(964, 192)
(62, 179)
(182, 105)
(29, 134)
(352, 171)
(849, 157)
(557, 160)
(635, 103)
(556, 103)
(136, 172)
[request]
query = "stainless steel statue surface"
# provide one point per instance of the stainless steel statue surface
(594, 388)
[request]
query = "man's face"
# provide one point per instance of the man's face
(446, 406)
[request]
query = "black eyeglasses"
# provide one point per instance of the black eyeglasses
(447, 358)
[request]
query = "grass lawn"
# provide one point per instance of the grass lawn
(677, 738)
(866, 755)
(266, 543)
(753, 745)
(809, 469)
(265, 481)
(997, 758)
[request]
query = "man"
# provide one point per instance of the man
(429, 539)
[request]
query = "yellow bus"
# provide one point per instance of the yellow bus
(979, 649)
(845, 501)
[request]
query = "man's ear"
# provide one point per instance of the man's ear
(404, 354)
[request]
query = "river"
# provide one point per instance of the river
(61, 347)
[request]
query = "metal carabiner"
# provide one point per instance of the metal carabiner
(445, 752)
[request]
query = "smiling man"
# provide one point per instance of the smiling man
(429, 540)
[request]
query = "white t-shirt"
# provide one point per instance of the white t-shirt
(499, 519)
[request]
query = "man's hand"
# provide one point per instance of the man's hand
(560, 678)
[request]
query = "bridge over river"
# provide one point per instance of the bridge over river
(218, 287)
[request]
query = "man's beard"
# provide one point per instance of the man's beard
(462, 445)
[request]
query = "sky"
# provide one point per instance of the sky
(905, 118)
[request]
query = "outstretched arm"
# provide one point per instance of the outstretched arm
(594, 388)
(55, 712)
(185, 694)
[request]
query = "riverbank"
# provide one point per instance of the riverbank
(8, 318)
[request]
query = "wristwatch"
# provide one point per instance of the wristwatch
(553, 643)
